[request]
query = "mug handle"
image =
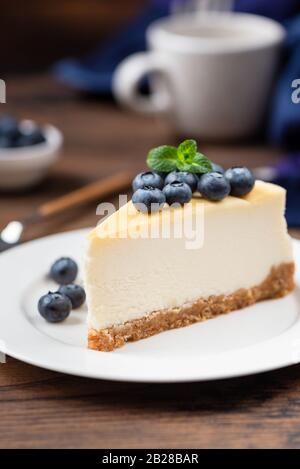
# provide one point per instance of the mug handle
(127, 78)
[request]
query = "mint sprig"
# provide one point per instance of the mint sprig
(162, 158)
(183, 158)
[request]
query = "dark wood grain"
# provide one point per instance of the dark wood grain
(39, 408)
(101, 189)
(46, 31)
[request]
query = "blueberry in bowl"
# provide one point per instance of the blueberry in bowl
(9, 131)
(17, 134)
(27, 151)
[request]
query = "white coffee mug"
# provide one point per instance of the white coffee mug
(210, 74)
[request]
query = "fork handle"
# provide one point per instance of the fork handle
(96, 190)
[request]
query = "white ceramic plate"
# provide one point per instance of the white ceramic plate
(262, 337)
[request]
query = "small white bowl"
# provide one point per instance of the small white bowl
(24, 167)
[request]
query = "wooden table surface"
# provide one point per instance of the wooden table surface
(43, 409)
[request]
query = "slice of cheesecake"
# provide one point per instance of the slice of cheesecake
(140, 282)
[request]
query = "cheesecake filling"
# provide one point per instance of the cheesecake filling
(244, 240)
(279, 282)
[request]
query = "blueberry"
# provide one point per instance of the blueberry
(5, 142)
(75, 293)
(181, 176)
(33, 137)
(64, 271)
(213, 186)
(177, 192)
(148, 178)
(54, 307)
(9, 127)
(216, 168)
(241, 180)
(162, 174)
(148, 199)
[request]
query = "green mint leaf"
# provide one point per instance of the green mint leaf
(204, 162)
(162, 158)
(198, 164)
(184, 158)
(187, 150)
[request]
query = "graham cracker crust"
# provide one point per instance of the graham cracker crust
(278, 283)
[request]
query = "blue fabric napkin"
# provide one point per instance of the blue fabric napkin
(287, 175)
(284, 125)
(278, 10)
(94, 72)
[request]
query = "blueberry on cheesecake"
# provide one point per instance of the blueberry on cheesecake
(241, 180)
(177, 193)
(183, 176)
(147, 178)
(213, 186)
(148, 199)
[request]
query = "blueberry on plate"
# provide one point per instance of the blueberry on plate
(54, 307)
(75, 293)
(64, 271)
(177, 192)
(148, 178)
(213, 186)
(216, 168)
(148, 199)
(241, 180)
(182, 176)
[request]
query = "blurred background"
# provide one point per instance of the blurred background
(58, 58)
(42, 32)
